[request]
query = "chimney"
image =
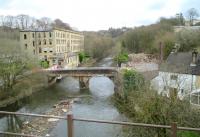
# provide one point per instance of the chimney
(161, 52)
(194, 57)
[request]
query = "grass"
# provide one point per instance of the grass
(187, 134)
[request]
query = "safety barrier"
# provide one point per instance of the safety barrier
(70, 124)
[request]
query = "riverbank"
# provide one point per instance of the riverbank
(25, 87)
(141, 104)
(91, 104)
(88, 63)
(43, 126)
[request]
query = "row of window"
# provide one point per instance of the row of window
(45, 51)
(44, 34)
(58, 35)
(40, 34)
(62, 35)
(76, 41)
(60, 49)
(45, 42)
(58, 41)
(71, 59)
(76, 37)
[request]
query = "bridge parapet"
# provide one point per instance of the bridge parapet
(85, 71)
(83, 74)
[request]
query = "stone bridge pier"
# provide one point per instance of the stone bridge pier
(84, 82)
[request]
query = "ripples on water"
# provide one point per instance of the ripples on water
(101, 88)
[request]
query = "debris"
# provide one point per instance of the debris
(64, 102)
(141, 57)
(64, 110)
(77, 100)
(142, 62)
(26, 122)
(52, 119)
(42, 126)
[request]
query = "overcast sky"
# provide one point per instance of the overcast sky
(99, 14)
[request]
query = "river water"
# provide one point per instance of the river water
(97, 105)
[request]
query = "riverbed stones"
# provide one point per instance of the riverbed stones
(52, 119)
(43, 126)
(64, 110)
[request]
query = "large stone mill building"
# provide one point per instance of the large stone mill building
(56, 46)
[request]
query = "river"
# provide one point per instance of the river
(97, 106)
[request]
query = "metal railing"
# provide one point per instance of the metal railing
(70, 124)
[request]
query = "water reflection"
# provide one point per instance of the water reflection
(101, 87)
(97, 107)
(14, 124)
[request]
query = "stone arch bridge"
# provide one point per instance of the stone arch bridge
(83, 74)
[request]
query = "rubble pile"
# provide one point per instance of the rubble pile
(141, 57)
(42, 126)
(143, 62)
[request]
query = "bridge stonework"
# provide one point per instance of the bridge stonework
(83, 75)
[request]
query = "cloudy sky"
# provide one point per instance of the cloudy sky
(99, 14)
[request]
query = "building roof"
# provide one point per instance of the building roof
(180, 62)
(35, 30)
(51, 29)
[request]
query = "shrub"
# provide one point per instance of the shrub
(121, 58)
(44, 64)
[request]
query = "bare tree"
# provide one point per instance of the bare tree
(43, 23)
(60, 24)
(38, 24)
(23, 21)
(46, 22)
(192, 14)
(10, 21)
(16, 22)
(2, 20)
(32, 23)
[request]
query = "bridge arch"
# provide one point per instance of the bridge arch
(84, 74)
(101, 86)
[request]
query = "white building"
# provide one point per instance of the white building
(179, 75)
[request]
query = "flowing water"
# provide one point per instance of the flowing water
(96, 105)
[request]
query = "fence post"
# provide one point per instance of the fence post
(70, 125)
(174, 129)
